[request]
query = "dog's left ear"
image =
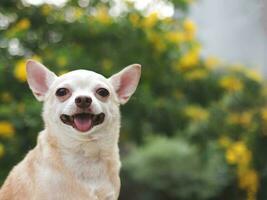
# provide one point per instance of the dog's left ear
(125, 82)
(39, 78)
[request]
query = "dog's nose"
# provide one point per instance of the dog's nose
(83, 101)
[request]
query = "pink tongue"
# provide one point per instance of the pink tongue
(83, 124)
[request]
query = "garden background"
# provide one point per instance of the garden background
(195, 129)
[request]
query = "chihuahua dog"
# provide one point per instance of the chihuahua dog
(77, 155)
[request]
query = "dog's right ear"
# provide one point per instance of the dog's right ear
(39, 78)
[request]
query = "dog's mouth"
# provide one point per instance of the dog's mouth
(83, 122)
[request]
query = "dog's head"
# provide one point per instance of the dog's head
(81, 102)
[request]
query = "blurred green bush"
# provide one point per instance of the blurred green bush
(195, 129)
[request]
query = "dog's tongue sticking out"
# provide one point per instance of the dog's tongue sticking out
(83, 122)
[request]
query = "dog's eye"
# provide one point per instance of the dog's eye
(62, 92)
(102, 92)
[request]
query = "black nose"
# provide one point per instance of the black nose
(83, 101)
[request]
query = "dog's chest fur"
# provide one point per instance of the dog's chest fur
(93, 172)
(90, 169)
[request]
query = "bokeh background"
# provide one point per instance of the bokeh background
(196, 128)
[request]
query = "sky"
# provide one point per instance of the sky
(233, 31)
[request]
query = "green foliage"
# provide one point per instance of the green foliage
(175, 169)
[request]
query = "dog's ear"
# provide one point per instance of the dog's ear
(126, 81)
(39, 78)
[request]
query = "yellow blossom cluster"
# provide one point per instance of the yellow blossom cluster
(196, 113)
(252, 74)
(238, 154)
(175, 36)
(46, 9)
(20, 70)
(23, 24)
(102, 15)
(231, 83)
(249, 181)
(190, 29)
(211, 62)
(187, 33)
(150, 21)
(243, 119)
(189, 60)
(179, 35)
(6, 129)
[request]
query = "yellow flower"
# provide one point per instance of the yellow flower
(175, 37)
(190, 29)
(46, 9)
(2, 150)
(249, 181)
(243, 118)
(189, 60)
(103, 16)
(23, 24)
(6, 129)
(189, 25)
(196, 113)
(238, 153)
(253, 75)
(249, 178)
(231, 83)
(211, 62)
(197, 74)
(20, 70)
(134, 19)
(150, 21)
